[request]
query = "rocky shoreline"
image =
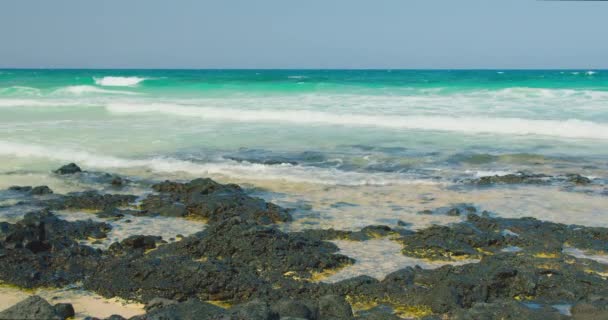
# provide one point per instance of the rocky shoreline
(243, 266)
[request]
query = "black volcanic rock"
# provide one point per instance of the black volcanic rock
(212, 201)
(70, 168)
(36, 308)
(41, 250)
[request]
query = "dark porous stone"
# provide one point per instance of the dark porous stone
(118, 182)
(172, 310)
(514, 178)
(68, 169)
(240, 259)
(577, 179)
(265, 248)
(334, 307)
(293, 308)
(212, 201)
(594, 307)
(454, 210)
(34, 307)
(64, 310)
(253, 310)
(35, 191)
(111, 213)
(144, 277)
(20, 188)
(41, 250)
(91, 200)
(233, 260)
(41, 190)
(447, 243)
(507, 310)
(136, 242)
(530, 178)
(367, 233)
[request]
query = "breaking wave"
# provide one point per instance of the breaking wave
(118, 81)
(233, 169)
(572, 128)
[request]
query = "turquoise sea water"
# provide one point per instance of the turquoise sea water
(363, 129)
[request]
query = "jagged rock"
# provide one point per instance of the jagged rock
(334, 307)
(41, 250)
(68, 169)
(253, 310)
(367, 233)
(173, 310)
(136, 242)
(507, 310)
(91, 200)
(293, 308)
(207, 199)
(35, 191)
(36, 308)
(64, 310)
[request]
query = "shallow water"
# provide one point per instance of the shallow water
(378, 258)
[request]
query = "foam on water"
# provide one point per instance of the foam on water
(118, 81)
(572, 128)
(84, 89)
(20, 90)
(294, 173)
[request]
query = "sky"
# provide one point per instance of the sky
(262, 34)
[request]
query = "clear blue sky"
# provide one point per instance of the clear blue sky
(303, 34)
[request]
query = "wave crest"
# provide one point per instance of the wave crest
(233, 169)
(111, 81)
(572, 128)
(83, 89)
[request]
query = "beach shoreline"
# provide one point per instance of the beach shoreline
(236, 262)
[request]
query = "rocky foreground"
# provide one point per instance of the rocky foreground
(241, 266)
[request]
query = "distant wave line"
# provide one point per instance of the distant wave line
(572, 128)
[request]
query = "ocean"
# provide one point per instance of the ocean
(345, 148)
(341, 149)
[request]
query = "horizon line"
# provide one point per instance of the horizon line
(306, 69)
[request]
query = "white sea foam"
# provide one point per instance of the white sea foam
(20, 90)
(118, 81)
(241, 170)
(488, 173)
(84, 89)
(575, 252)
(470, 125)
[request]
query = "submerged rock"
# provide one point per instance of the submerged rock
(70, 168)
(513, 178)
(89, 200)
(454, 210)
(530, 178)
(35, 191)
(37, 308)
(367, 233)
